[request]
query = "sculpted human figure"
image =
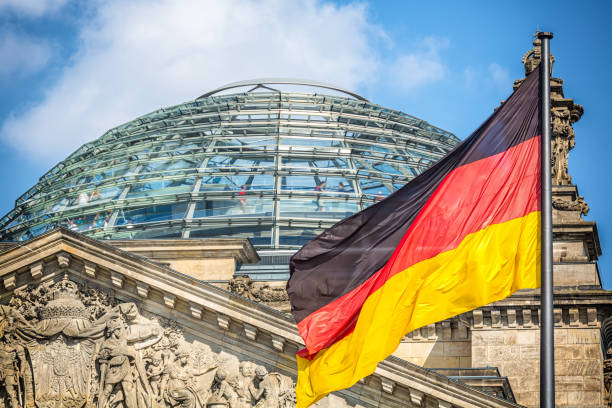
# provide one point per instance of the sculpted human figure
(178, 385)
(222, 390)
(271, 391)
(12, 365)
(155, 369)
(243, 385)
(122, 374)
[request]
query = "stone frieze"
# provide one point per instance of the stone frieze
(65, 345)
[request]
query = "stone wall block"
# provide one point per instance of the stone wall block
(526, 337)
(592, 352)
(521, 368)
(583, 336)
(584, 367)
(561, 367)
(583, 398)
(560, 397)
(528, 383)
(530, 352)
(569, 352)
(592, 383)
(457, 348)
(479, 356)
(503, 353)
(510, 337)
(569, 382)
(560, 336)
(530, 399)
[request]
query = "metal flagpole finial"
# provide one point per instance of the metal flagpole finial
(547, 354)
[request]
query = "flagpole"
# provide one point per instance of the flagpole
(547, 349)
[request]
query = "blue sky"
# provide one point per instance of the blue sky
(71, 70)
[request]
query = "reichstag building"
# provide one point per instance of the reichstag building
(147, 269)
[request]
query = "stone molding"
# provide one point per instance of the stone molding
(240, 249)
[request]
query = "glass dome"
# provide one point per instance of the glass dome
(276, 161)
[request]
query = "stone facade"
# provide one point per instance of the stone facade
(83, 324)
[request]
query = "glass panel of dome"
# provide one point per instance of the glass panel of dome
(297, 236)
(323, 207)
(258, 235)
(299, 183)
(250, 162)
(324, 164)
(241, 205)
(161, 187)
(315, 142)
(151, 214)
(374, 187)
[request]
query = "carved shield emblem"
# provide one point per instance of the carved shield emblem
(62, 371)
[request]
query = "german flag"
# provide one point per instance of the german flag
(463, 234)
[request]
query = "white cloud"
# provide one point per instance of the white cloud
(22, 55)
(32, 8)
(138, 56)
(420, 67)
(499, 75)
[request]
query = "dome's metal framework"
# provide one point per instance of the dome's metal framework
(268, 164)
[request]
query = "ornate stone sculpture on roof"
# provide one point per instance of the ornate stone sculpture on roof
(564, 113)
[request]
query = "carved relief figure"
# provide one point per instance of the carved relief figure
(222, 391)
(272, 390)
(155, 367)
(12, 372)
(122, 374)
(244, 286)
(178, 384)
(243, 384)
